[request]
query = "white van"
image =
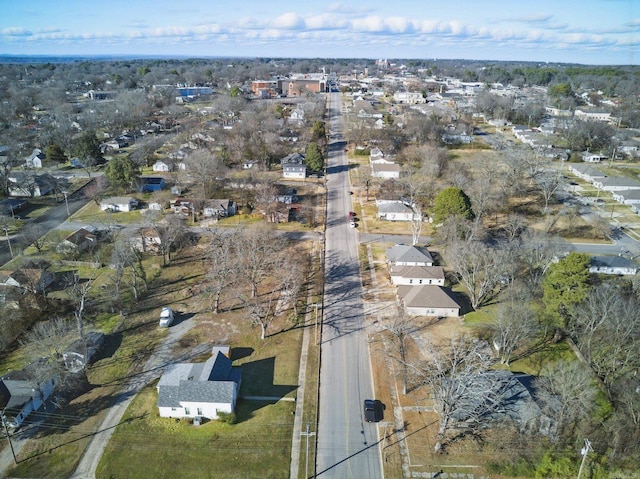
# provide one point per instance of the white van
(166, 317)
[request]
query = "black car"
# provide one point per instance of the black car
(372, 410)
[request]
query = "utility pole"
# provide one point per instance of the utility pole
(316, 326)
(584, 451)
(6, 232)
(307, 433)
(66, 202)
(6, 431)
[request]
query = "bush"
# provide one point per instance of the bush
(227, 417)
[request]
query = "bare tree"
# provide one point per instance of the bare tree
(223, 265)
(513, 225)
(291, 274)
(261, 311)
(34, 234)
(259, 249)
(548, 182)
(204, 167)
(455, 374)
(401, 326)
(477, 267)
(515, 326)
(568, 394)
(537, 252)
(79, 293)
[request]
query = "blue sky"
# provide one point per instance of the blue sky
(571, 31)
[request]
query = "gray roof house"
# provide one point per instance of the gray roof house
(612, 265)
(293, 166)
(586, 172)
(627, 197)
(189, 390)
(20, 395)
(428, 301)
(395, 210)
(616, 183)
(406, 255)
(416, 275)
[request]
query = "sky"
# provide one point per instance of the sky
(594, 32)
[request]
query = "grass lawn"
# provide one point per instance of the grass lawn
(258, 445)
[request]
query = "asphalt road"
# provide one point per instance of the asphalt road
(348, 447)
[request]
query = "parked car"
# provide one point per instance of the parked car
(166, 317)
(372, 410)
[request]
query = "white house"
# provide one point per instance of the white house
(627, 197)
(160, 166)
(589, 157)
(428, 301)
(385, 170)
(293, 166)
(406, 255)
(118, 203)
(35, 159)
(409, 97)
(189, 390)
(586, 172)
(416, 275)
(20, 396)
(395, 210)
(617, 183)
(219, 208)
(612, 265)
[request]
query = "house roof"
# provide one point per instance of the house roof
(429, 296)
(587, 170)
(628, 194)
(393, 207)
(118, 200)
(435, 272)
(612, 262)
(619, 181)
(293, 159)
(401, 253)
(385, 167)
(214, 381)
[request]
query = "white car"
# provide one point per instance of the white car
(352, 224)
(166, 317)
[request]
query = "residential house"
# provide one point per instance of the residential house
(27, 185)
(416, 275)
(11, 205)
(161, 167)
(510, 398)
(77, 241)
(593, 115)
(396, 210)
(182, 206)
(616, 183)
(423, 300)
(586, 172)
(589, 157)
(118, 203)
(297, 116)
(35, 159)
(146, 240)
(189, 390)
(612, 265)
(409, 97)
(627, 197)
(406, 255)
(31, 276)
(151, 183)
(219, 208)
(20, 395)
(293, 166)
(385, 171)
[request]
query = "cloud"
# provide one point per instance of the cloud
(288, 21)
(15, 32)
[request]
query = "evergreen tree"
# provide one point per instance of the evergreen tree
(564, 286)
(313, 157)
(451, 201)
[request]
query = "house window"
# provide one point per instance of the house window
(429, 281)
(420, 281)
(410, 281)
(199, 410)
(187, 411)
(173, 409)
